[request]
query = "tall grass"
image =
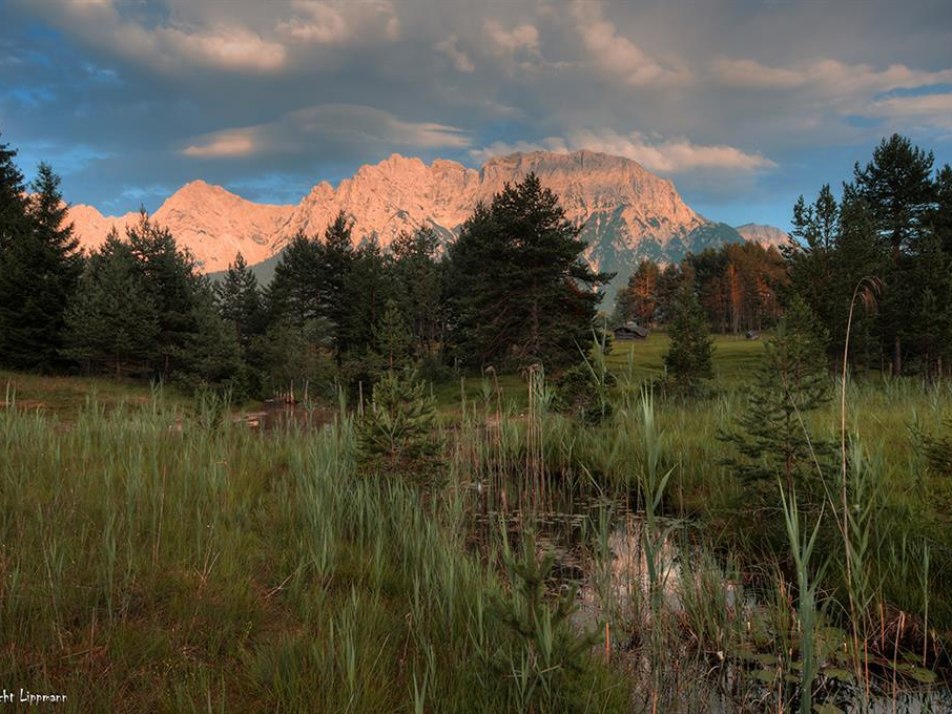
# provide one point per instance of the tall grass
(151, 562)
(161, 560)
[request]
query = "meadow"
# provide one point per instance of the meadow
(157, 555)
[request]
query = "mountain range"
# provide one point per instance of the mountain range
(626, 212)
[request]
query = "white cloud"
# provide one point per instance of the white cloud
(229, 48)
(225, 144)
(316, 22)
(340, 125)
(667, 156)
(521, 38)
(928, 109)
(460, 59)
(335, 22)
(618, 56)
(174, 45)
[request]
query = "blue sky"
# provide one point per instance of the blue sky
(744, 104)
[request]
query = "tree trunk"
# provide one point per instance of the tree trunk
(897, 357)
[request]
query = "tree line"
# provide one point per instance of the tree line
(511, 291)
(740, 287)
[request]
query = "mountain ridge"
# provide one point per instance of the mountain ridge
(626, 212)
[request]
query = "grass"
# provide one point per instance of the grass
(155, 563)
(158, 557)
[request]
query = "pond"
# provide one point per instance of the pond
(697, 627)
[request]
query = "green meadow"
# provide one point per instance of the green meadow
(158, 555)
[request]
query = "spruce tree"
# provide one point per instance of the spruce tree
(638, 301)
(337, 288)
(688, 360)
(419, 287)
(112, 324)
(13, 202)
(398, 434)
(393, 340)
(897, 186)
(239, 301)
(39, 270)
(295, 294)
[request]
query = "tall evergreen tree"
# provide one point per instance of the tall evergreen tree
(170, 278)
(521, 292)
(810, 258)
(239, 301)
(419, 287)
(942, 219)
(112, 324)
(39, 270)
(638, 300)
(336, 285)
(295, 294)
(897, 186)
(393, 339)
(13, 202)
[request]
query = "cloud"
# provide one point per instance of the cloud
(225, 144)
(618, 56)
(345, 126)
(521, 38)
(328, 22)
(229, 48)
(666, 156)
(461, 60)
(826, 74)
(928, 109)
(173, 44)
(317, 22)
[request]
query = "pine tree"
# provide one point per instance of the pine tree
(13, 203)
(337, 289)
(773, 440)
(638, 301)
(897, 186)
(112, 324)
(39, 270)
(520, 290)
(170, 278)
(239, 301)
(688, 360)
(670, 282)
(393, 340)
(811, 260)
(942, 218)
(419, 287)
(212, 353)
(371, 286)
(295, 294)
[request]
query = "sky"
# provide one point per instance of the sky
(744, 104)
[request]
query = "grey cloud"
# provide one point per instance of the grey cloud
(339, 124)
(305, 90)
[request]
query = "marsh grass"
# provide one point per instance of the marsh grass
(156, 556)
(155, 562)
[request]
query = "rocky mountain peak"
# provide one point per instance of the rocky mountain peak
(625, 212)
